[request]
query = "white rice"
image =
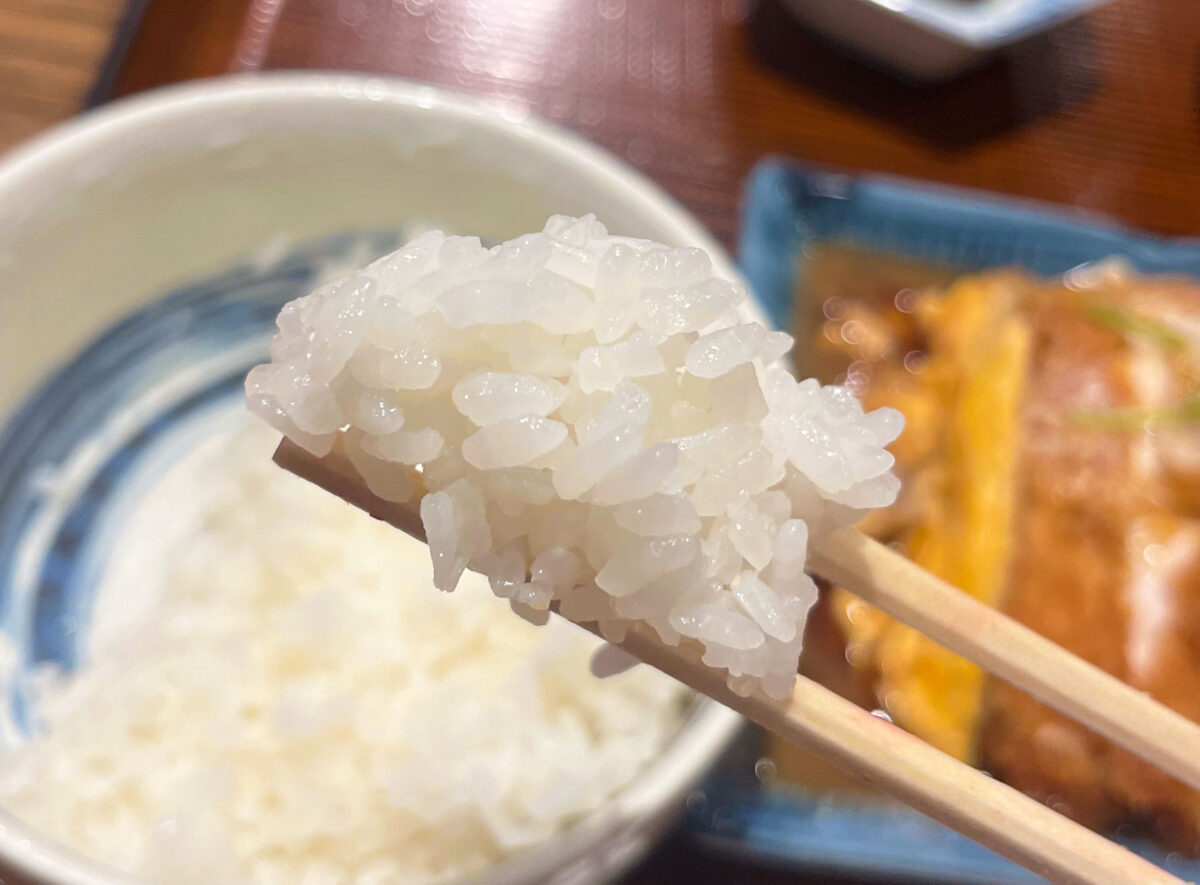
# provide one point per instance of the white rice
(284, 699)
(595, 423)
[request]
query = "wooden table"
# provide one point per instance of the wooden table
(1102, 114)
(49, 54)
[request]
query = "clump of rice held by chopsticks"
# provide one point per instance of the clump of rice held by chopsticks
(590, 420)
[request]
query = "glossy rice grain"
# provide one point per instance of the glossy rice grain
(595, 421)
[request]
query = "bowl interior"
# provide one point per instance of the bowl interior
(110, 210)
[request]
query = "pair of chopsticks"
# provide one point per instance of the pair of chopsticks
(991, 813)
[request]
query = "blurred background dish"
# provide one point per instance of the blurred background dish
(930, 40)
(924, 298)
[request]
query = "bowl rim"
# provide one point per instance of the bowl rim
(42, 163)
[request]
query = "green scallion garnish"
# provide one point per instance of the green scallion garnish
(1140, 417)
(1126, 322)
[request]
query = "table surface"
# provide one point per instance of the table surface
(1103, 114)
(49, 53)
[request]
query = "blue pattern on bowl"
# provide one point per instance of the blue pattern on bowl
(83, 445)
(787, 207)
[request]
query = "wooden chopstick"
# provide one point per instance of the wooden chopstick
(1081, 691)
(992, 813)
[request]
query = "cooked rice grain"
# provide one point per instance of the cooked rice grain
(597, 400)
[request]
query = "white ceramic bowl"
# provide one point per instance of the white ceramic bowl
(102, 214)
(931, 40)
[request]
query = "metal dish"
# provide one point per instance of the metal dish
(929, 40)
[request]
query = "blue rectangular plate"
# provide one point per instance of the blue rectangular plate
(787, 207)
